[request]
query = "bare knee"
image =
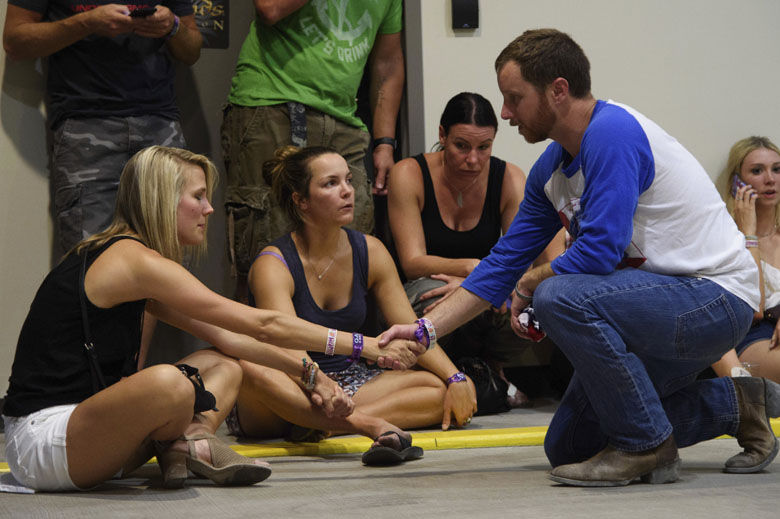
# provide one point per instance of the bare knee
(230, 368)
(426, 378)
(257, 375)
(171, 388)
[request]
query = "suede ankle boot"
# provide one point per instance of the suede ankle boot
(758, 399)
(613, 468)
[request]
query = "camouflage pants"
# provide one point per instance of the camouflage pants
(87, 158)
(488, 336)
(250, 136)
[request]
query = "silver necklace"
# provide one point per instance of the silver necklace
(320, 275)
(459, 198)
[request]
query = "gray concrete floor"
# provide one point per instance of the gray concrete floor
(485, 482)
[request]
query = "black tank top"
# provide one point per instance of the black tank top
(350, 318)
(50, 366)
(442, 241)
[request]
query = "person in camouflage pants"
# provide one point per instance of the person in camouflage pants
(87, 159)
(110, 90)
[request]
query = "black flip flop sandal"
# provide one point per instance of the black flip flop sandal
(382, 455)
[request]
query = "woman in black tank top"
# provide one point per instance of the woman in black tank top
(324, 272)
(446, 210)
(131, 267)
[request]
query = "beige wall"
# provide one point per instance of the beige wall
(706, 70)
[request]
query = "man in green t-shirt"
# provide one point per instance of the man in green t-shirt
(297, 76)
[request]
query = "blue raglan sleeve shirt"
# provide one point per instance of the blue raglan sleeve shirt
(617, 165)
(534, 225)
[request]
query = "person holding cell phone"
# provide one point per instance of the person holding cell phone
(753, 174)
(642, 301)
(110, 93)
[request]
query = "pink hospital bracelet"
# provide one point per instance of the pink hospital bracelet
(330, 346)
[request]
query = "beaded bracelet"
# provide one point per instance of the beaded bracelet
(751, 237)
(357, 347)
(330, 346)
(425, 329)
(457, 377)
(751, 244)
(523, 296)
(309, 375)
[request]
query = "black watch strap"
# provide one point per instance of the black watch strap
(386, 140)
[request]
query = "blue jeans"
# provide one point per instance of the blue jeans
(637, 340)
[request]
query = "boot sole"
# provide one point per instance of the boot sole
(755, 468)
(660, 475)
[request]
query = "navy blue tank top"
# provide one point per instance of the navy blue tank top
(350, 318)
(442, 241)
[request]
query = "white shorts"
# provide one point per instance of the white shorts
(35, 448)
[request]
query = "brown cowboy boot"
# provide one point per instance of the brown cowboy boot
(612, 468)
(758, 399)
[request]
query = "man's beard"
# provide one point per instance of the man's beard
(540, 127)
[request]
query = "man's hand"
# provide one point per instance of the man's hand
(383, 161)
(328, 395)
(398, 331)
(157, 25)
(460, 402)
(399, 353)
(518, 305)
(110, 20)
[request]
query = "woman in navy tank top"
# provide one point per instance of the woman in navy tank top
(325, 273)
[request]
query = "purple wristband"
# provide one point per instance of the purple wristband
(425, 329)
(173, 30)
(457, 377)
(357, 347)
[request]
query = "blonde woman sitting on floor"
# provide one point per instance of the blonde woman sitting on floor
(76, 416)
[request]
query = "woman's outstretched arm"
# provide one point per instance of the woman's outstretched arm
(325, 393)
(460, 400)
(128, 271)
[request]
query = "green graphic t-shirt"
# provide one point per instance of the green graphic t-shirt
(314, 56)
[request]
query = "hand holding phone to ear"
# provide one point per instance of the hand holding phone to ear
(744, 206)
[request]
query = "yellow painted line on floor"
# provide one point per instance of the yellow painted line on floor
(432, 440)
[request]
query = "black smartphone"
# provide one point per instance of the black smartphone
(736, 185)
(143, 12)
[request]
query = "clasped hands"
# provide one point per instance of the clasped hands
(113, 19)
(395, 354)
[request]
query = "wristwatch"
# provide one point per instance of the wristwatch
(386, 140)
